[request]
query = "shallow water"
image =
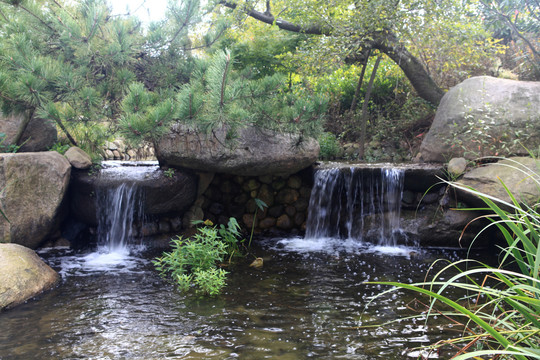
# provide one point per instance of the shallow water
(308, 301)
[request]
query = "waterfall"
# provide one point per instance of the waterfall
(118, 208)
(356, 203)
(119, 205)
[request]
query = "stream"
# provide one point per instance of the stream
(309, 300)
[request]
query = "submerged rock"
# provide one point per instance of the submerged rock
(34, 186)
(252, 152)
(23, 275)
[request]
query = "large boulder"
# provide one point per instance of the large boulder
(33, 188)
(520, 174)
(253, 152)
(39, 135)
(23, 275)
(484, 116)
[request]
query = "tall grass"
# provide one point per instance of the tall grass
(500, 312)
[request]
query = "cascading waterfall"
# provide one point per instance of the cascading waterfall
(356, 203)
(119, 206)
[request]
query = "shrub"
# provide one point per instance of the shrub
(330, 147)
(194, 262)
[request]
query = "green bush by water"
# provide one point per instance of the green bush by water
(194, 263)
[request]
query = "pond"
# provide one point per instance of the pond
(309, 300)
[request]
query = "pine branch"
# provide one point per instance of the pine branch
(224, 80)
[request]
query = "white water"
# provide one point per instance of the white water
(119, 206)
(356, 204)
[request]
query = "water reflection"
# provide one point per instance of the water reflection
(304, 303)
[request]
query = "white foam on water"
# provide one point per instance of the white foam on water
(333, 245)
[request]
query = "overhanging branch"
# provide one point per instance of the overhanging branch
(268, 18)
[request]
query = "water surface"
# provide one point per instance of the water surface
(308, 301)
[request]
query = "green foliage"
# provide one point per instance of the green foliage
(500, 311)
(10, 148)
(517, 24)
(230, 235)
(218, 96)
(194, 262)
(260, 205)
(330, 147)
(60, 148)
(169, 173)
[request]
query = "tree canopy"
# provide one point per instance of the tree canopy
(274, 63)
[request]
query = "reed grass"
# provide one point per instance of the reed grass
(500, 311)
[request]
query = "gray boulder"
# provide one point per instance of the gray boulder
(484, 116)
(78, 158)
(39, 135)
(23, 275)
(33, 188)
(253, 152)
(520, 174)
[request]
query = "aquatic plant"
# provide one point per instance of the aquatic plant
(194, 262)
(500, 313)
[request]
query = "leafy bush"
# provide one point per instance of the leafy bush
(194, 262)
(60, 148)
(501, 311)
(330, 147)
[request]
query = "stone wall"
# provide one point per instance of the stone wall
(119, 150)
(286, 197)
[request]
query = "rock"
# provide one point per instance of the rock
(249, 219)
(267, 223)
(163, 194)
(23, 275)
(284, 222)
(299, 219)
(34, 186)
(254, 152)
(78, 158)
(266, 179)
(276, 211)
(456, 167)
(294, 182)
(445, 230)
(287, 196)
(205, 179)
(266, 195)
(504, 110)
(512, 172)
(39, 135)
(111, 145)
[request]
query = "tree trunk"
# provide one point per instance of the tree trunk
(419, 78)
(359, 85)
(365, 107)
(68, 135)
(385, 41)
